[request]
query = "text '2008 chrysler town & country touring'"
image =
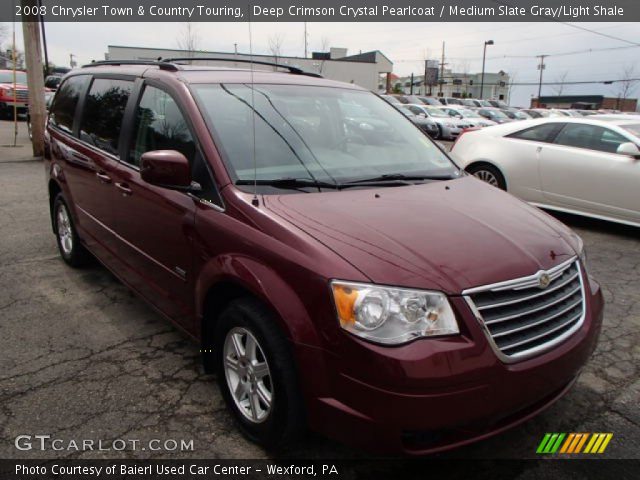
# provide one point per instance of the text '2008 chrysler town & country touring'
(339, 270)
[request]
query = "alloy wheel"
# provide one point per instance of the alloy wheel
(65, 232)
(487, 176)
(247, 375)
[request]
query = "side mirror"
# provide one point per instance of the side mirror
(458, 116)
(166, 168)
(629, 148)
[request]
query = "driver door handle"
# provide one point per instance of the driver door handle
(539, 149)
(103, 177)
(124, 188)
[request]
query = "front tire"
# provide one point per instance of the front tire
(69, 246)
(257, 375)
(489, 174)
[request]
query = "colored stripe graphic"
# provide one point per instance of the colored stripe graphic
(568, 442)
(543, 443)
(572, 443)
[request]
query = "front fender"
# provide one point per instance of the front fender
(267, 285)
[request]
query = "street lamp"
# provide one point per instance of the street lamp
(484, 56)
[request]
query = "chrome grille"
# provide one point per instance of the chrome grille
(521, 318)
(21, 95)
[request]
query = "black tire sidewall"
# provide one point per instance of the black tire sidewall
(285, 416)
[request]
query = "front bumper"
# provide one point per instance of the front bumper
(8, 105)
(438, 394)
(451, 132)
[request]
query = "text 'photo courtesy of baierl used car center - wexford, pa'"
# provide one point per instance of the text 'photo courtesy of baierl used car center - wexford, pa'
(318, 239)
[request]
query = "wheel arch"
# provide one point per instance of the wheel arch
(228, 278)
(54, 189)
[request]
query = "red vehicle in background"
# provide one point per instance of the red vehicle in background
(13, 93)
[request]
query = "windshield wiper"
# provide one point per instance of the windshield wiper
(400, 177)
(289, 182)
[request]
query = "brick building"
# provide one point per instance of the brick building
(587, 102)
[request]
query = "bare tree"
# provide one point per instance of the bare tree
(560, 80)
(4, 32)
(510, 86)
(463, 68)
(325, 46)
(275, 46)
(189, 39)
(325, 42)
(629, 82)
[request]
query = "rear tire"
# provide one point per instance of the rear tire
(71, 250)
(489, 174)
(257, 375)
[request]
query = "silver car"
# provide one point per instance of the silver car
(586, 166)
(470, 116)
(449, 128)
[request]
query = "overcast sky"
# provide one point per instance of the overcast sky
(406, 44)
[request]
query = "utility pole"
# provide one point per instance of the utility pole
(424, 81)
(484, 58)
(441, 81)
(541, 67)
(305, 39)
(44, 41)
(35, 80)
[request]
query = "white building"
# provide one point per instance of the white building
(363, 69)
(496, 85)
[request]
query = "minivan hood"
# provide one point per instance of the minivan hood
(444, 235)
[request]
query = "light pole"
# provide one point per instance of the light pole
(484, 57)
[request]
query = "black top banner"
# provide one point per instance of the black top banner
(321, 11)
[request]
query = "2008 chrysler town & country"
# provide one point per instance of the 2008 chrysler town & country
(339, 269)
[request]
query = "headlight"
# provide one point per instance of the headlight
(450, 125)
(392, 315)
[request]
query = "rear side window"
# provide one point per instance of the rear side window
(103, 113)
(66, 100)
(592, 137)
(540, 133)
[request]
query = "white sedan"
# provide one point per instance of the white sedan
(587, 166)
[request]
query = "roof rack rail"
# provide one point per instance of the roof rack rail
(164, 65)
(294, 70)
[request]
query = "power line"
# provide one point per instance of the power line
(564, 54)
(600, 33)
(504, 3)
(581, 82)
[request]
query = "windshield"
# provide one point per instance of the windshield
(469, 113)
(634, 129)
(495, 114)
(7, 77)
(436, 112)
(325, 134)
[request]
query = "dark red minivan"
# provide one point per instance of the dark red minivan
(339, 270)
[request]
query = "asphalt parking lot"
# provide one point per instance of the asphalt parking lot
(81, 357)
